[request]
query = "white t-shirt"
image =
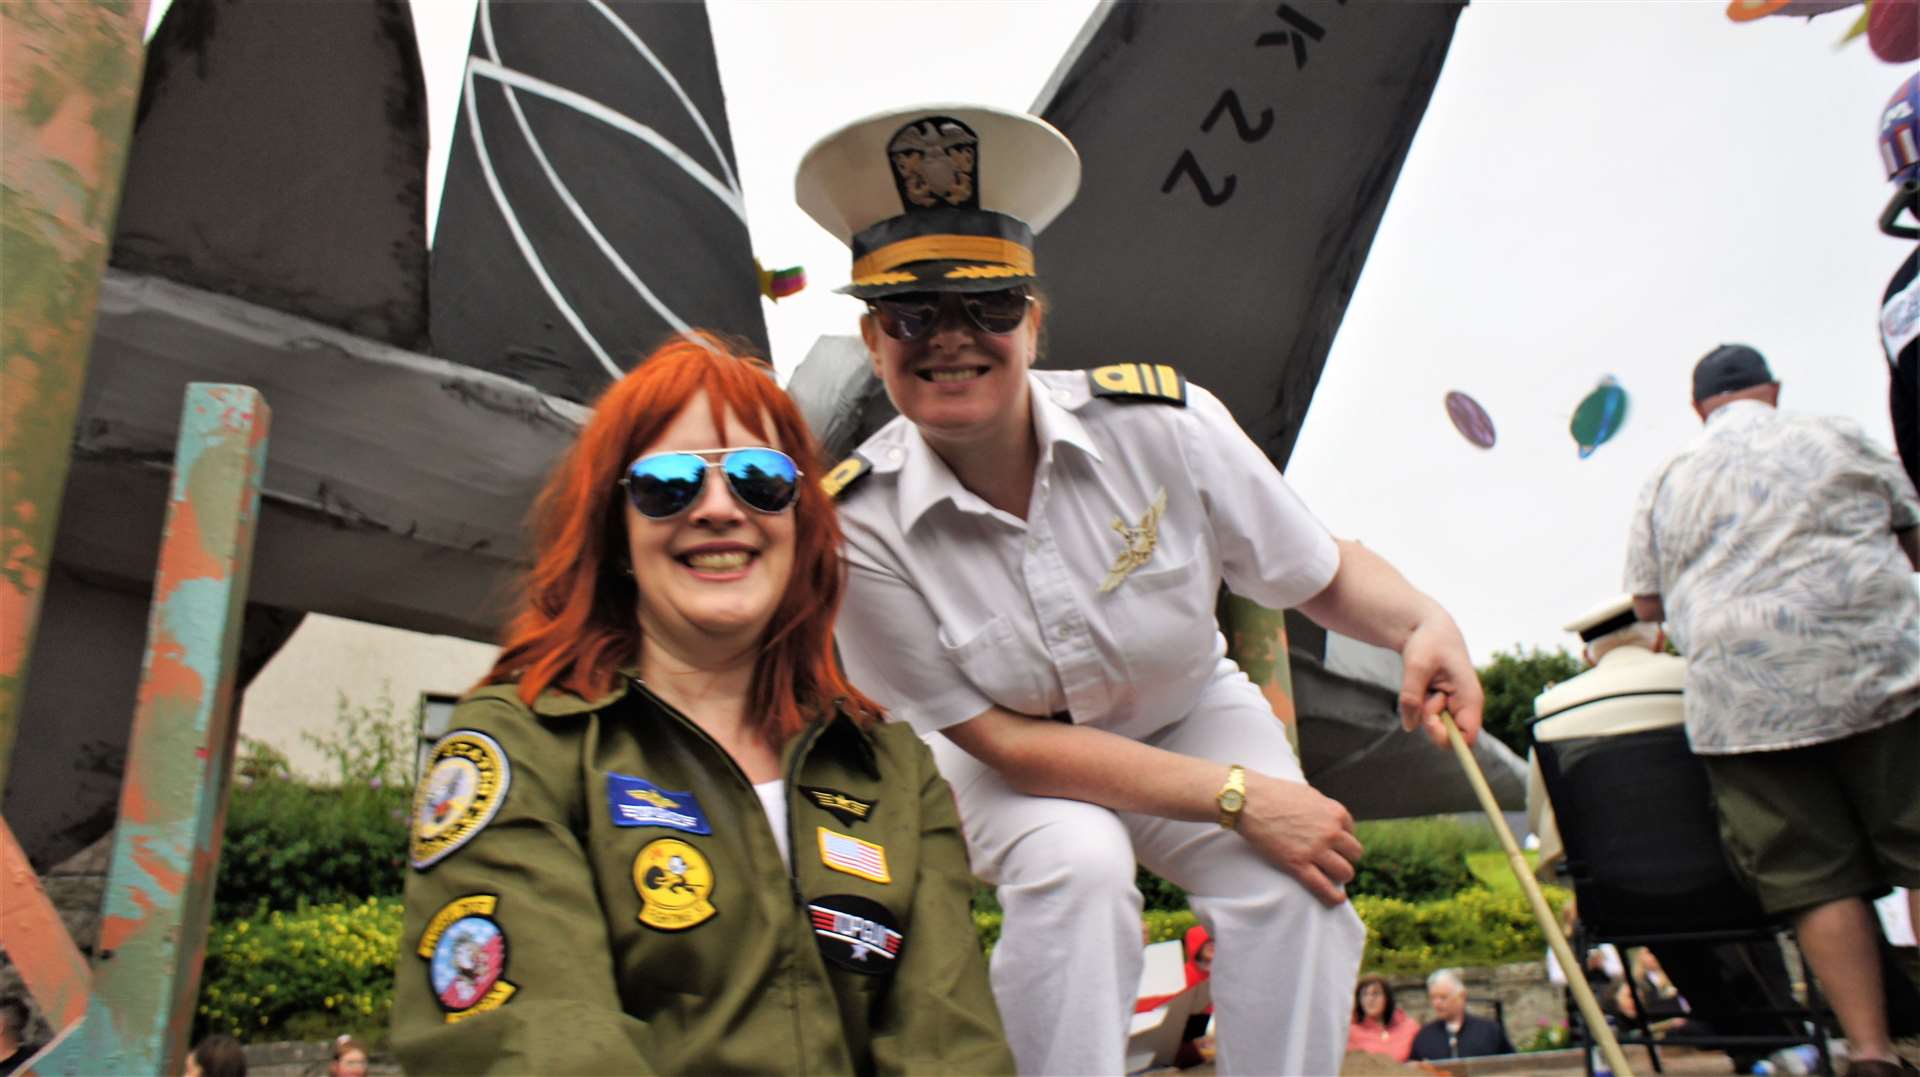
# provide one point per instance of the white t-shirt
(1100, 604)
(773, 797)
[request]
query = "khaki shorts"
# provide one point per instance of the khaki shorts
(1811, 825)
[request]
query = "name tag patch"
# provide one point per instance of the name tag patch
(465, 784)
(842, 806)
(856, 933)
(844, 852)
(466, 953)
(638, 802)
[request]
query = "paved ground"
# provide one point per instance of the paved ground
(310, 1060)
(1673, 1060)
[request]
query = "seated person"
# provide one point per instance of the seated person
(666, 789)
(1658, 996)
(1379, 1027)
(1453, 1032)
(1198, 947)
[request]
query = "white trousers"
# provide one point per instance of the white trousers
(1069, 957)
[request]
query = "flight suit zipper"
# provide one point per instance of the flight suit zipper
(793, 878)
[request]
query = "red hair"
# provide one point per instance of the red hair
(579, 623)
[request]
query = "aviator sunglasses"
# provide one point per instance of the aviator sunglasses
(665, 484)
(912, 315)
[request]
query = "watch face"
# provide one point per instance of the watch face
(1232, 800)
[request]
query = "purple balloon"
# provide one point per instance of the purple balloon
(1470, 419)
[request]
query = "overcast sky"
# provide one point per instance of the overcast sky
(1597, 188)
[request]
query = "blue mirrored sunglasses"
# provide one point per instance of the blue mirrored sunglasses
(666, 484)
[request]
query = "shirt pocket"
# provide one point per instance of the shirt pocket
(1163, 624)
(1001, 666)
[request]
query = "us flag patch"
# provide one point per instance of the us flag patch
(844, 852)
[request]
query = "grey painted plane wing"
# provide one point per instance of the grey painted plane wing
(1236, 159)
(591, 208)
(279, 157)
(1346, 695)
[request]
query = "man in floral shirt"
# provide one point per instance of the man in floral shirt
(1779, 550)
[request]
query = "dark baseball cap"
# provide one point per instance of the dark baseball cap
(1729, 369)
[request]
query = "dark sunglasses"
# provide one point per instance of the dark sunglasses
(912, 315)
(666, 484)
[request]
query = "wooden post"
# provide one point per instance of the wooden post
(69, 81)
(166, 849)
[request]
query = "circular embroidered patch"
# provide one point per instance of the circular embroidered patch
(467, 961)
(673, 880)
(856, 933)
(466, 782)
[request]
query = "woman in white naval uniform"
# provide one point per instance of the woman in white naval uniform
(1033, 563)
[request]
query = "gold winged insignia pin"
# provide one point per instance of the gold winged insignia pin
(1140, 542)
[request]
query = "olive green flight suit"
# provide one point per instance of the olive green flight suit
(556, 941)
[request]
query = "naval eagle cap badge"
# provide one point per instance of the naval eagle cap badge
(936, 164)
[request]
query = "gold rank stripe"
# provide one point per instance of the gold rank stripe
(945, 247)
(1139, 379)
(844, 474)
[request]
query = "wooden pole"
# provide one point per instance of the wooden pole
(1556, 939)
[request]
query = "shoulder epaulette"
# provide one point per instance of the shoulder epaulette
(844, 474)
(1139, 381)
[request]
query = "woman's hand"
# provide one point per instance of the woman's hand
(1439, 676)
(1305, 834)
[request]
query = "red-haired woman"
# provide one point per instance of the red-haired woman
(665, 835)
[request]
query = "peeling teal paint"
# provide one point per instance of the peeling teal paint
(160, 884)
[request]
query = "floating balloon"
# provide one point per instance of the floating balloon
(1470, 419)
(1599, 416)
(1893, 30)
(1749, 10)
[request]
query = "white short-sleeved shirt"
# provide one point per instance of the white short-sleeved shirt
(1770, 541)
(954, 606)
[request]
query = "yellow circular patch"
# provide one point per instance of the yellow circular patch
(673, 880)
(465, 784)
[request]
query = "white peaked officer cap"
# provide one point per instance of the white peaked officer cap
(1610, 616)
(940, 197)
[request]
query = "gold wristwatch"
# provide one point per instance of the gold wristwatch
(1232, 796)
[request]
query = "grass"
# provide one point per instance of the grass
(1491, 868)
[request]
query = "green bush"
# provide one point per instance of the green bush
(1167, 925)
(308, 974)
(289, 842)
(1473, 927)
(1418, 859)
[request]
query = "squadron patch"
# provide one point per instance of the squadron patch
(844, 852)
(673, 880)
(465, 784)
(848, 809)
(466, 954)
(855, 933)
(638, 802)
(1139, 381)
(844, 475)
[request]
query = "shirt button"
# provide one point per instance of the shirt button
(896, 454)
(1062, 396)
(1063, 632)
(1033, 545)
